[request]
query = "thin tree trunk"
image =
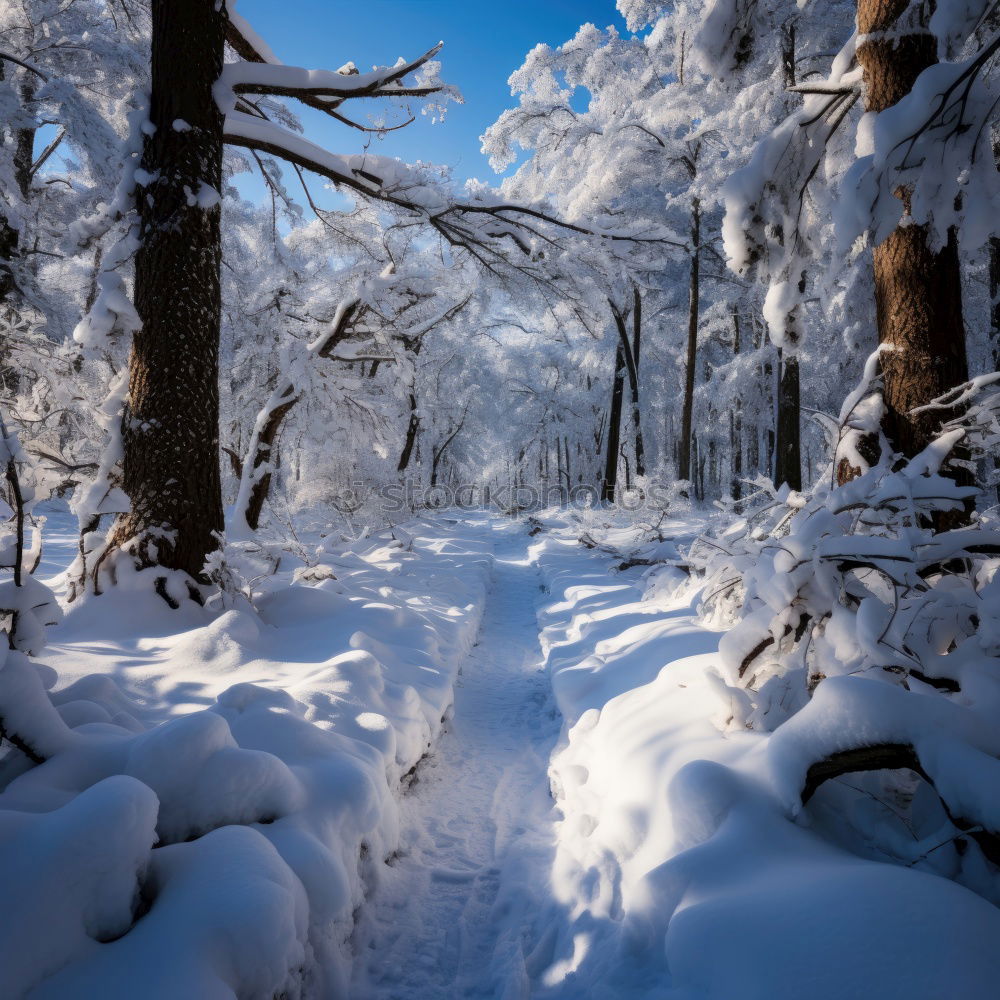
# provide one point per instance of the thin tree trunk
(788, 460)
(787, 445)
(262, 458)
(628, 351)
(411, 436)
(918, 295)
(687, 413)
(736, 423)
(170, 469)
(995, 315)
(640, 448)
(614, 428)
(24, 142)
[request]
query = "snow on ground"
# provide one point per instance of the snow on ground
(260, 753)
(452, 911)
(588, 824)
(678, 856)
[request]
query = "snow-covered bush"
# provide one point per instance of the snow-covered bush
(859, 608)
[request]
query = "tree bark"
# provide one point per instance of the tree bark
(787, 449)
(736, 423)
(614, 428)
(629, 352)
(995, 316)
(10, 237)
(171, 420)
(411, 436)
(687, 413)
(254, 489)
(640, 449)
(918, 295)
(263, 451)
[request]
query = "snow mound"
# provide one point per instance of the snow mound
(207, 818)
(685, 862)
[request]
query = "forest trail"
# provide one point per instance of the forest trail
(451, 914)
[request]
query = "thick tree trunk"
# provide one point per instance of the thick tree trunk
(687, 413)
(171, 421)
(788, 461)
(918, 294)
(614, 428)
(10, 238)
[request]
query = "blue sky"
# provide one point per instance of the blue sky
(484, 44)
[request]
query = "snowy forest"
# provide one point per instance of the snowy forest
(570, 575)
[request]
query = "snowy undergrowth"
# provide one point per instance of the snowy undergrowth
(684, 859)
(218, 787)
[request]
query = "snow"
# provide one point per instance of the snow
(683, 854)
(333, 83)
(590, 820)
(448, 914)
(260, 753)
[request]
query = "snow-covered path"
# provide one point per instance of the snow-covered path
(451, 914)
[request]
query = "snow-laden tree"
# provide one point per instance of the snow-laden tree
(170, 429)
(891, 64)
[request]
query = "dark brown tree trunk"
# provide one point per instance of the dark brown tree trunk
(24, 146)
(788, 461)
(918, 294)
(640, 448)
(411, 436)
(24, 142)
(687, 413)
(736, 423)
(614, 428)
(171, 421)
(630, 356)
(264, 451)
(995, 316)
(262, 446)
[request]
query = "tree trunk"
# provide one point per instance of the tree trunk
(736, 423)
(684, 451)
(24, 142)
(995, 316)
(263, 451)
(614, 428)
(631, 359)
(24, 146)
(918, 296)
(261, 459)
(788, 461)
(411, 436)
(170, 468)
(640, 449)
